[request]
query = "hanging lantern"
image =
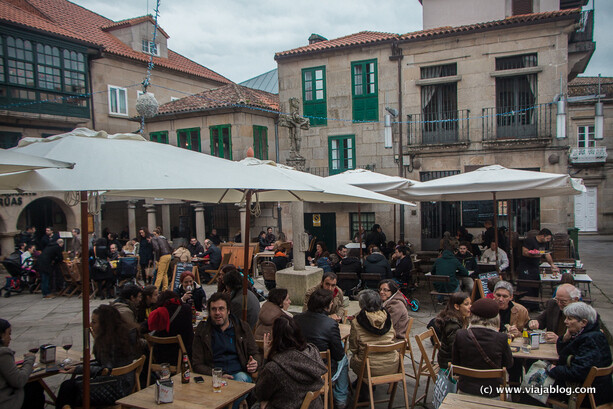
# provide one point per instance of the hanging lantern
(387, 131)
(146, 105)
(598, 121)
(561, 119)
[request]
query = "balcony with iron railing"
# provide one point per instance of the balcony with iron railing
(584, 156)
(520, 123)
(439, 128)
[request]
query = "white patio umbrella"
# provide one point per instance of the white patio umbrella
(129, 165)
(11, 162)
(497, 183)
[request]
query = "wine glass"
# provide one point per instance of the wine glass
(33, 346)
(67, 344)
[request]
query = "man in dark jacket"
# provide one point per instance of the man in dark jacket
(324, 333)
(234, 282)
(214, 254)
(226, 342)
(448, 265)
(49, 237)
(47, 263)
(376, 237)
(468, 260)
(376, 263)
(195, 248)
(552, 318)
(404, 265)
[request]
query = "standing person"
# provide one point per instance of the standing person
(214, 237)
(481, 346)
(145, 251)
(278, 303)
(46, 265)
(454, 317)
(13, 379)
(234, 286)
(376, 237)
(76, 243)
(104, 278)
(530, 259)
(293, 368)
(50, 236)
(163, 252)
(395, 304)
(225, 341)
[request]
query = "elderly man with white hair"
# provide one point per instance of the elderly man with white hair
(513, 316)
(552, 318)
(581, 347)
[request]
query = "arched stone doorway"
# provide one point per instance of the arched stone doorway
(44, 212)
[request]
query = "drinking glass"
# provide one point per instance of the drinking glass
(67, 344)
(217, 379)
(33, 346)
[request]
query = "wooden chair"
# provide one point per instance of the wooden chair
(427, 365)
(153, 341)
(483, 374)
(309, 398)
(409, 348)
(225, 259)
(532, 284)
(593, 374)
(433, 293)
(136, 367)
(269, 273)
(327, 358)
(393, 378)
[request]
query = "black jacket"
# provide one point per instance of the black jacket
(588, 349)
(49, 258)
(376, 263)
(195, 249)
(323, 332)
(403, 269)
(214, 254)
(351, 265)
(376, 238)
(467, 260)
(145, 251)
(181, 325)
(198, 296)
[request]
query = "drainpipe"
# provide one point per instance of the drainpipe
(397, 56)
(279, 221)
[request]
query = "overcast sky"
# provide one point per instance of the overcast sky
(238, 38)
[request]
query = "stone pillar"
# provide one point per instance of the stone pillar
(132, 228)
(300, 239)
(242, 213)
(166, 221)
(151, 221)
(200, 224)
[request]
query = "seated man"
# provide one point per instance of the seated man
(328, 282)
(129, 298)
(404, 265)
(468, 260)
(448, 265)
(322, 331)
(195, 248)
(376, 263)
(513, 317)
(496, 253)
(234, 285)
(214, 254)
(224, 341)
(552, 318)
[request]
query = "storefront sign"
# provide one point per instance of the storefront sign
(13, 199)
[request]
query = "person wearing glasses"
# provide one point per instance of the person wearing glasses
(395, 304)
(552, 318)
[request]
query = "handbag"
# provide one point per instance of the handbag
(104, 390)
(537, 377)
(101, 269)
(445, 383)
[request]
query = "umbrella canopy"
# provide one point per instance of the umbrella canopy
(480, 184)
(11, 161)
(394, 186)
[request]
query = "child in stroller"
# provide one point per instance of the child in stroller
(22, 274)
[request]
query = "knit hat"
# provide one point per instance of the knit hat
(485, 308)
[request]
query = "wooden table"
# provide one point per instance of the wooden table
(345, 329)
(583, 279)
(190, 395)
(455, 400)
(547, 352)
(40, 374)
(269, 254)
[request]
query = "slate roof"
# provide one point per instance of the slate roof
(65, 19)
(372, 37)
(269, 82)
(225, 96)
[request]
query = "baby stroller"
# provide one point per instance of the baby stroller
(20, 278)
(407, 290)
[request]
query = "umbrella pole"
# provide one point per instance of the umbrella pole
(360, 231)
(509, 218)
(496, 231)
(85, 294)
(246, 248)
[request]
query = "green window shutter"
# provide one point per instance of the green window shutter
(314, 95)
(159, 137)
(221, 141)
(341, 153)
(189, 139)
(365, 90)
(260, 142)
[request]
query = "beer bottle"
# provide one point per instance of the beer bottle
(185, 370)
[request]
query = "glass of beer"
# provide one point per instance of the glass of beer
(217, 379)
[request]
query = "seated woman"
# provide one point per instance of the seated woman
(277, 305)
(481, 346)
(14, 379)
(373, 326)
(280, 259)
(191, 292)
(115, 345)
(449, 321)
(320, 249)
(582, 347)
(147, 304)
(293, 368)
(171, 318)
(395, 304)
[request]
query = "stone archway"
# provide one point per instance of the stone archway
(47, 211)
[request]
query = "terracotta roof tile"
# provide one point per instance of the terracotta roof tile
(583, 86)
(133, 22)
(70, 20)
(222, 97)
(370, 38)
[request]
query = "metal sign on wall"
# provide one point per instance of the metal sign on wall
(316, 220)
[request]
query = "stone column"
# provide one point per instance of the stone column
(242, 213)
(151, 220)
(166, 221)
(132, 229)
(300, 247)
(200, 224)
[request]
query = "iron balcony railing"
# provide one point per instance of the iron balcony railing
(438, 128)
(517, 122)
(585, 32)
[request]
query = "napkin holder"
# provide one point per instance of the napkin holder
(47, 354)
(164, 392)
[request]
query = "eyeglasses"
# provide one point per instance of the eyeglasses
(561, 301)
(387, 290)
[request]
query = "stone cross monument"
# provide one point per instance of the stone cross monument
(294, 122)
